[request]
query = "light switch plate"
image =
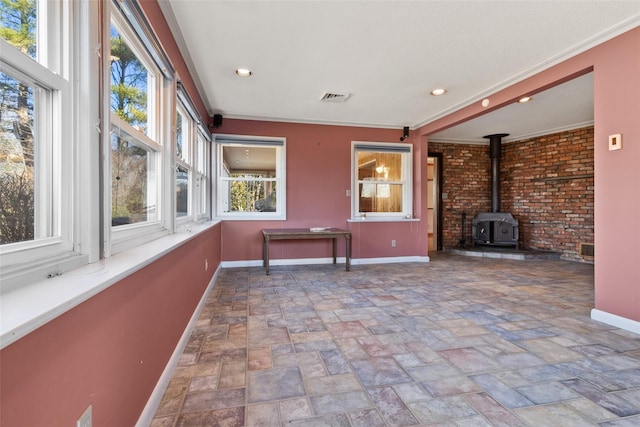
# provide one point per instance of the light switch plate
(615, 142)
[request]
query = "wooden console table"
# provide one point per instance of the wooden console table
(305, 234)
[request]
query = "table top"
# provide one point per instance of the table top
(304, 232)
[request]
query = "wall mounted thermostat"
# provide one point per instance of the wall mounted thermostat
(615, 142)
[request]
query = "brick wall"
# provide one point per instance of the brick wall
(466, 186)
(546, 183)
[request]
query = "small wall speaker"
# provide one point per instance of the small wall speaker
(217, 120)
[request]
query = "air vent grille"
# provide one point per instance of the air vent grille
(334, 97)
(587, 250)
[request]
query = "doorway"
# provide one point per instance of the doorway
(434, 202)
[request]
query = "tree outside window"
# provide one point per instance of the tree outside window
(251, 177)
(17, 136)
(130, 158)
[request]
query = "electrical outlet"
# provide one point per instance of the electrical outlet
(85, 419)
(393, 243)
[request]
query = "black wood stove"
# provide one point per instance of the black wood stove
(495, 228)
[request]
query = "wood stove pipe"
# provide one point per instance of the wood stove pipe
(495, 153)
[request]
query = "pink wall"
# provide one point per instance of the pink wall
(616, 67)
(617, 176)
(110, 351)
(318, 175)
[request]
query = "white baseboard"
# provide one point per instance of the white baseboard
(615, 320)
(389, 260)
(150, 409)
(311, 261)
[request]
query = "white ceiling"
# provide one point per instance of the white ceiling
(388, 55)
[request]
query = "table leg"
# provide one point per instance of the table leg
(347, 240)
(335, 249)
(265, 255)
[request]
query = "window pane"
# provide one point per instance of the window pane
(179, 134)
(133, 182)
(254, 190)
(129, 84)
(380, 181)
(17, 151)
(182, 191)
(18, 24)
(246, 195)
(202, 194)
(378, 197)
(200, 152)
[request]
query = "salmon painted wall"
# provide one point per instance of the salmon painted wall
(617, 177)
(318, 176)
(110, 351)
(616, 68)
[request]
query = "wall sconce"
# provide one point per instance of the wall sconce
(405, 133)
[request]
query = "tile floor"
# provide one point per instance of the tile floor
(458, 341)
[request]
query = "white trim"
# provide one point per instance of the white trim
(390, 260)
(61, 242)
(315, 261)
(149, 411)
(604, 36)
(514, 138)
(27, 308)
(244, 263)
(382, 219)
(170, 17)
(584, 45)
(615, 320)
(406, 181)
(280, 145)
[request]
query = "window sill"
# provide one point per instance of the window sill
(25, 309)
(383, 219)
(251, 217)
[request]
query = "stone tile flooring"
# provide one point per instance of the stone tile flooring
(458, 341)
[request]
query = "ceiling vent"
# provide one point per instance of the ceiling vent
(334, 97)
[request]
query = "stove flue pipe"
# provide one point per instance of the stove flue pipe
(495, 153)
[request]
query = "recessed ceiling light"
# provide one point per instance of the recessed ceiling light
(243, 72)
(524, 99)
(438, 92)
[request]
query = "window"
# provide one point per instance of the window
(192, 161)
(203, 178)
(63, 201)
(135, 152)
(37, 62)
(382, 180)
(251, 177)
(139, 90)
(183, 162)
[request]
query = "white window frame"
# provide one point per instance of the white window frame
(406, 181)
(63, 56)
(185, 161)
(132, 26)
(202, 181)
(280, 145)
(196, 150)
